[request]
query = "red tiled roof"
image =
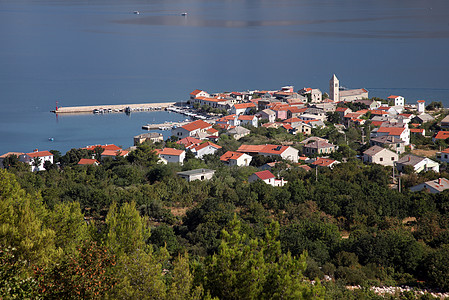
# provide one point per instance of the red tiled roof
(169, 151)
(198, 124)
(392, 130)
(251, 148)
(416, 130)
(292, 120)
(421, 101)
(105, 147)
(247, 117)
(263, 175)
(114, 153)
(324, 162)
(287, 126)
(392, 97)
(274, 149)
(212, 130)
(442, 135)
(244, 105)
(195, 92)
(39, 154)
(204, 145)
(188, 141)
(376, 123)
(230, 155)
(88, 161)
(342, 109)
(295, 109)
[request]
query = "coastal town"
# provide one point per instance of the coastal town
(357, 188)
(389, 132)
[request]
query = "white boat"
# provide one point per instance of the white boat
(184, 14)
(136, 12)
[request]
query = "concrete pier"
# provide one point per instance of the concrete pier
(113, 108)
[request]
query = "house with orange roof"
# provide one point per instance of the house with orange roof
(267, 177)
(441, 135)
(281, 111)
(295, 112)
(420, 131)
(2, 157)
(402, 133)
(248, 120)
(315, 95)
(242, 108)
(198, 93)
(205, 148)
(285, 152)
(36, 159)
(191, 129)
(324, 162)
(171, 155)
(114, 153)
(232, 158)
(219, 103)
(88, 162)
(104, 147)
(343, 111)
(398, 100)
(189, 142)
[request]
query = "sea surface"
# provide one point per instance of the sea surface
(80, 52)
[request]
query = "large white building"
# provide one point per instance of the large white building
(36, 159)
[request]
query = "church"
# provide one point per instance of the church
(344, 95)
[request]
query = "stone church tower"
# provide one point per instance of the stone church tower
(334, 88)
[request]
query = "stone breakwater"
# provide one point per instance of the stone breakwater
(112, 108)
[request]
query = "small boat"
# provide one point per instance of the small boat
(184, 14)
(51, 139)
(136, 12)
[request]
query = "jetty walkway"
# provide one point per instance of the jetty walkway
(113, 108)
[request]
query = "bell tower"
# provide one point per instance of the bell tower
(334, 88)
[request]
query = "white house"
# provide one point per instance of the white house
(198, 93)
(36, 159)
(172, 155)
(433, 186)
(248, 120)
(398, 100)
(198, 174)
(232, 158)
(267, 177)
(380, 155)
(418, 163)
(285, 152)
(205, 148)
(190, 129)
(242, 108)
(402, 133)
(421, 106)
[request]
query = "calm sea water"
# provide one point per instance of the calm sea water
(99, 52)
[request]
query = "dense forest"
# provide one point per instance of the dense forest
(130, 228)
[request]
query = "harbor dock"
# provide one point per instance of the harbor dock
(113, 108)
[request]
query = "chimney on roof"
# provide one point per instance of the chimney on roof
(439, 181)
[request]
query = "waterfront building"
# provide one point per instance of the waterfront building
(36, 159)
(345, 95)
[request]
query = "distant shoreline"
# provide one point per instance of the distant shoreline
(113, 107)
